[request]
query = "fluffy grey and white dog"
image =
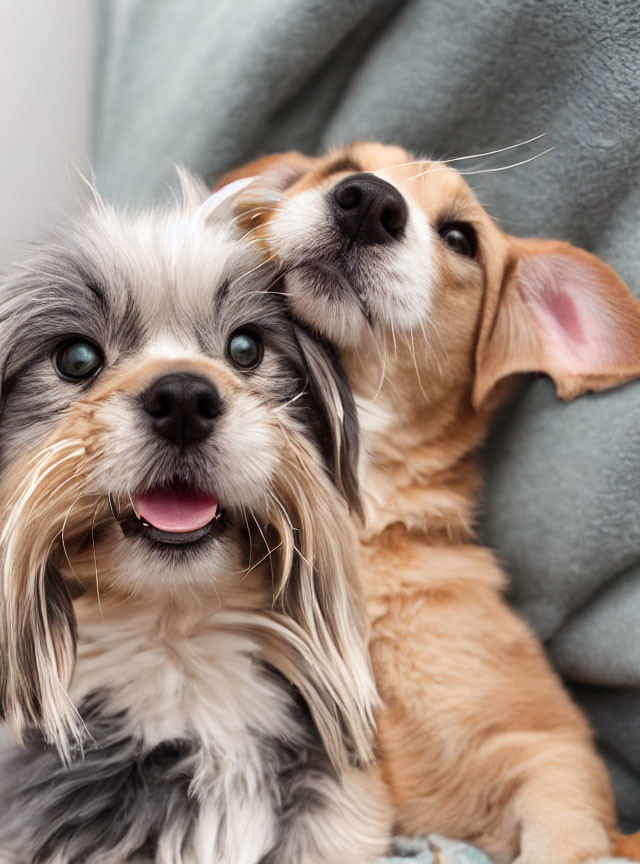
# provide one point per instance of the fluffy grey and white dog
(184, 675)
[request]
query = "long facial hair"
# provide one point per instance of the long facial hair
(312, 631)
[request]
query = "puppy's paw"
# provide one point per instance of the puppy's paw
(574, 841)
(536, 858)
(627, 846)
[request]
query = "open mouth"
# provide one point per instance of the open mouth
(173, 515)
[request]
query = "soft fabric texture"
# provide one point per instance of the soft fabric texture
(433, 850)
(212, 85)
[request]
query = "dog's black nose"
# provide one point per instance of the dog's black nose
(182, 407)
(368, 209)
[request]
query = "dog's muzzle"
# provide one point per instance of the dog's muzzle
(181, 408)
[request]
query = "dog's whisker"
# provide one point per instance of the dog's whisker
(95, 559)
(262, 208)
(415, 364)
(393, 334)
(133, 506)
(249, 536)
(512, 165)
(111, 507)
(379, 342)
(450, 159)
(257, 267)
(281, 408)
(264, 539)
(480, 170)
(268, 554)
(428, 343)
(247, 234)
(266, 290)
(219, 599)
(62, 530)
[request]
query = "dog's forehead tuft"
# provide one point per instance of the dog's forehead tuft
(171, 267)
(121, 280)
(170, 256)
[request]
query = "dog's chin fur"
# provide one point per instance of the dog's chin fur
(341, 288)
(210, 700)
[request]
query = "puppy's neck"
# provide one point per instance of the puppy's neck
(421, 466)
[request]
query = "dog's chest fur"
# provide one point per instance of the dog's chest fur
(198, 746)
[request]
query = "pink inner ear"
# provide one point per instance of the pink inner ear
(563, 311)
(570, 311)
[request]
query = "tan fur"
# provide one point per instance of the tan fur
(478, 738)
(629, 847)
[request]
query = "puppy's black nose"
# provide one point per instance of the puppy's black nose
(182, 407)
(369, 210)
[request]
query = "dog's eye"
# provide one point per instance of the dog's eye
(77, 360)
(245, 349)
(460, 236)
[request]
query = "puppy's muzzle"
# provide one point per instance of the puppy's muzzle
(182, 407)
(368, 210)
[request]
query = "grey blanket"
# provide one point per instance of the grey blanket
(212, 84)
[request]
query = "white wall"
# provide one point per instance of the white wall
(44, 114)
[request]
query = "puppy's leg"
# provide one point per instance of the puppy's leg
(479, 739)
(331, 820)
(563, 805)
(627, 846)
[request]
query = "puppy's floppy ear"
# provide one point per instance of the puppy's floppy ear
(277, 171)
(37, 621)
(334, 415)
(38, 648)
(561, 311)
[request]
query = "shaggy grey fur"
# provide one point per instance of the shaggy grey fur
(118, 799)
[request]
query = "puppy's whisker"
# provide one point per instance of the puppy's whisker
(267, 289)
(415, 364)
(249, 536)
(62, 530)
(247, 234)
(507, 167)
(257, 267)
(494, 152)
(279, 503)
(219, 599)
(481, 170)
(291, 401)
(95, 559)
(262, 208)
(133, 506)
(450, 159)
(264, 540)
(393, 334)
(258, 563)
(428, 343)
(378, 340)
(111, 506)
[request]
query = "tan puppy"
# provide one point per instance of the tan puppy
(434, 308)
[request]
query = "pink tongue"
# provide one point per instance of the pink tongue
(176, 510)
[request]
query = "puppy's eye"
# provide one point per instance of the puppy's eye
(245, 349)
(461, 237)
(77, 360)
